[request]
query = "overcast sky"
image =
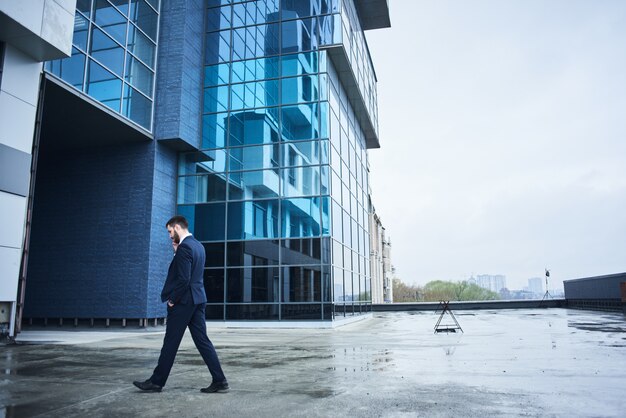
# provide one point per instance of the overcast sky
(503, 138)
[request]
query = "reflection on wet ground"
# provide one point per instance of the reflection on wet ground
(517, 362)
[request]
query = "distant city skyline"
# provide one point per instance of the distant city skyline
(502, 139)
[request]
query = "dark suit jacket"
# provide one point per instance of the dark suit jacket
(185, 277)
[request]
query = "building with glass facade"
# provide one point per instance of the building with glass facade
(251, 118)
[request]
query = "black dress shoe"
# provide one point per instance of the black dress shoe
(221, 387)
(148, 386)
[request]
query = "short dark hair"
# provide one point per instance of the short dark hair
(178, 220)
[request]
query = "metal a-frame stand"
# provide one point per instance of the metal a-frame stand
(439, 327)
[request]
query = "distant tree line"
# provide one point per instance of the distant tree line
(437, 290)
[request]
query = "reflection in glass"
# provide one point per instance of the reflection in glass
(300, 217)
(301, 153)
(71, 69)
(254, 157)
(255, 69)
(252, 284)
(252, 311)
(292, 311)
(141, 46)
(254, 127)
(214, 254)
(301, 251)
(144, 17)
(299, 64)
(214, 285)
(107, 51)
(299, 35)
(302, 284)
(214, 130)
(137, 107)
(252, 253)
(217, 46)
(256, 219)
(218, 18)
(201, 162)
(81, 30)
(206, 222)
(110, 20)
(201, 189)
(215, 75)
(300, 122)
(104, 86)
(299, 89)
(259, 184)
(254, 94)
(300, 181)
(138, 75)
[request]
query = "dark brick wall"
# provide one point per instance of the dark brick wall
(91, 248)
(180, 72)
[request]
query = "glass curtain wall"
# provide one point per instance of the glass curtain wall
(277, 193)
(114, 55)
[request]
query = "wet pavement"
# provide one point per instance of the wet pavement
(534, 362)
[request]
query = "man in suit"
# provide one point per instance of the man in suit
(185, 296)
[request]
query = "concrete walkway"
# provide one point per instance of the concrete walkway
(548, 362)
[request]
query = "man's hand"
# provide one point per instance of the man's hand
(170, 303)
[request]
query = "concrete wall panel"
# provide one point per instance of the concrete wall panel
(13, 212)
(17, 119)
(20, 77)
(58, 26)
(27, 13)
(9, 272)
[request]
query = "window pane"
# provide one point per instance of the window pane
(106, 51)
(300, 217)
(214, 285)
(253, 219)
(252, 253)
(144, 17)
(218, 18)
(71, 70)
(137, 107)
(215, 75)
(202, 162)
(81, 28)
(201, 189)
(215, 99)
(214, 130)
(255, 69)
(301, 251)
(300, 122)
(299, 89)
(214, 254)
(253, 158)
(302, 284)
(254, 94)
(138, 75)
(293, 9)
(299, 64)
(300, 181)
(256, 311)
(84, 6)
(299, 35)
(217, 46)
(103, 86)
(207, 221)
(141, 46)
(252, 284)
(111, 21)
(255, 127)
(253, 185)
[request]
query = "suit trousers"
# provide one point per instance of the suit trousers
(179, 317)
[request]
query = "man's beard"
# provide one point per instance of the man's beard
(176, 238)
